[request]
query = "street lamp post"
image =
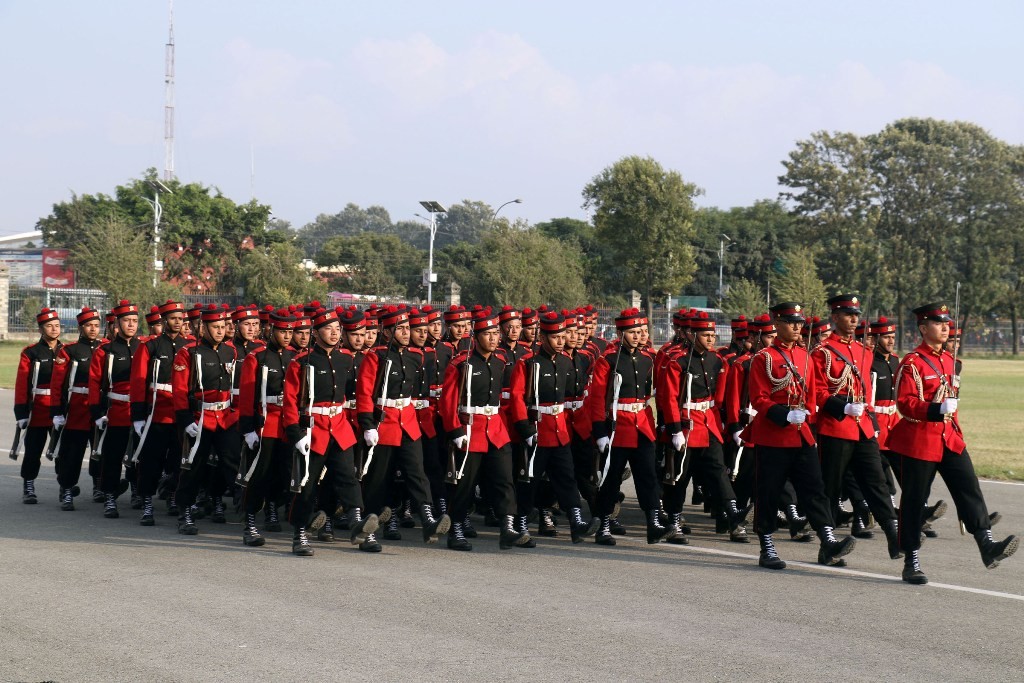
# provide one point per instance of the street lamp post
(511, 201)
(158, 189)
(721, 266)
(433, 208)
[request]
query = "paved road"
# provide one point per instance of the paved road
(87, 599)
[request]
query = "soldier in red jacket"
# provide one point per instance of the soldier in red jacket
(153, 413)
(70, 408)
(470, 412)
(539, 388)
(110, 374)
(623, 423)
(33, 398)
(845, 422)
(582, 445)
(782, 391)
(929, 441)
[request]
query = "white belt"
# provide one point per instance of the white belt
(236, 392)
(216, 405)
(885, 410)
(80, 390)
(551, 410)
(435, 393)
(349, 404)
(161, 387)
(573, 405)
(41, 392)
(330, 411)
(420, 403)
(394, 402)
(480, 410)
(275, 400)
(631, 407)
(505, 395)
(124, 398)
(700, 405)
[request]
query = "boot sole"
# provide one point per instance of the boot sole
(254, 542)
(916, 580)
(318, 521)
(370, 525)
(147, 522)
(940, 509)
(1009, 550)
(774, 567)
(189, 532)
(443, 525)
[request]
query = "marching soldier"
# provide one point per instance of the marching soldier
(470, 411)
(782, 391)
(929, 440)
(388, 377)
(302, 328)
(538, 390)
(201, 385)
(154, 324)
(110, 374)
(71, 417)
(152, 407)
(845, 421)
(623, 423)
(33, 399)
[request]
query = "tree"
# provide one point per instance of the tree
(744, 297)
(113, 256)
(350, 221)
(581, 236)
(274, 275)
(371, 263)
(466, 222)
(645, 216)
(799, 282)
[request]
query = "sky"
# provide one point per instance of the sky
(390, 103)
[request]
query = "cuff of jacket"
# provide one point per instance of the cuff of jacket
(933, 412)
(366, 421)
(600, 429)
(293, 433)
(140, 411)
(184, 418)
(778, 414)
(525, 429)
(456, 433)
(836, 407)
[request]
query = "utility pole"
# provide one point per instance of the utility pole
(169, 97)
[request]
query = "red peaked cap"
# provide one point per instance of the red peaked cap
(701, 322)
(483, 320)
(630, 318)
(171, 306)
(153, 317)
(213, 313)
(86, 315)
(883, 326)
(508, 313)
(281, 319)
(123, 308)
(46, 315)
(552, 322)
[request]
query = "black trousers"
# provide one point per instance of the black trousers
(161, 448)
(493, 469)
(864, 460)
(115, 445)
(916, 478)
(641, 461)
(743, 486)
(583, 465)
(556, 463)
(434, 466)
(71, 455)
(340, 476)
(710, 462)
(377, 484)
(773, 466)
(221, 443)
(268, 474)
(34, 440)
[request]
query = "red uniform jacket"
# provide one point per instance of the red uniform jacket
(838, 383)
(688, 413)
(39, 401)
(331, 373)
(428, 389)
(389, 421)
(487, 428)
(924, 433)
(110, 374)
(251, 415)
(576, 391)
(774, 390)
(636, 368)
(737, 397)
(552, 421)
(190, 394)
(76, 409)
(883, 378)
(165, 349)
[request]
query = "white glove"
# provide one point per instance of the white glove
(530, 440)
(371, 437)
(59, 421)
(797, 417)
(602, 444)
(192, 430)
(461, 442)
(854, 409)
(678, 441)
(949, 406)
(303, 444)
(738, 438)
(102, 422)
(251, 439)
(139, 424)
(22, 424)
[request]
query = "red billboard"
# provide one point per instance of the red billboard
(56, 274)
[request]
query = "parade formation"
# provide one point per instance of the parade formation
(366, 422)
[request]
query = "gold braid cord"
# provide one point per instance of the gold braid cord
(843, 381)
(781, 383)
(940, 393)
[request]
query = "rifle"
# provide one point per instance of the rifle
(186, 461)
(244, 479)
(536, 424)
(383, 384)
(309, 430)
(110, 384)
(31, 404)
(152, 410)
(689, 415)
(616, 388)
(956, 344)
(55, 443)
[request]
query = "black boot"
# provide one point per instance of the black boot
(371, 544)
(147, 512)
(271, 522)
(892, 537)
(136, 500)
(360, 528)
(769, 559)
(912, 569)
(737, 516)
(97, 492)
(795, 521)
(391, 532)
(993, 519)
(934, 512)
(218, 516)
(677, 525)
(251, 535)
(698, 495)
(407, 519)
(316, 523)
(509, 536)
(186, 524)
(739, 535)
(457, 539)
(859, 525)
(432, 528)
(656, 531)
(67, 500)
(580, 529)
(491, 519)
(832, 548)
(993, 552)
(523, 527)
(468, 530)
(172, 505)
(616, 527)
(384, 517)
(604, 533)
(110, 507)
(844, 516)
(300, 543)
(546, 525)
(28, 492)
(326, 533)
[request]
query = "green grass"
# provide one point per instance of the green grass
(9, 354)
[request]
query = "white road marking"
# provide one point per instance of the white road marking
(1000, 481)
